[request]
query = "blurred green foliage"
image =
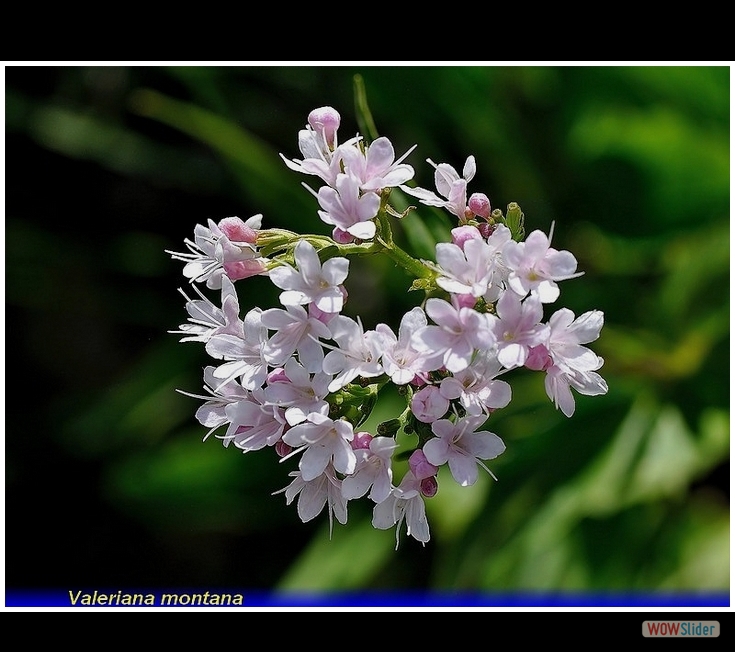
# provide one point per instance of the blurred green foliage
(109, 166)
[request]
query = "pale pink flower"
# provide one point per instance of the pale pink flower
(212, 413)
(401, 361)
(461, 234)
(517, 328)
(375, 168)
(298, 392)
(468, 269)
(295, 332)
(458, 333)
(212, 254)
(420, 466)
(206, 319)
(311, 281)
(314, 494)
(318, 145)
(479, 204)
(243, 352)
(535, 266)
(323, 442)
(567, 335)
(253, 423)
(373, 471)
(405, 502)
(462, 447)
(573, 365)
(346, 208)
(451, 187)
(358, 352)
(476, 387)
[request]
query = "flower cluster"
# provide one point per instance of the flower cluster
(303, 378)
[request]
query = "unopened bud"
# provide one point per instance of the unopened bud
(389, 428)
(325, 120)
(486, 229)
(240, 269)
(277, 375)
(479, 204)
(539, 358)
(462, 234)
(237, 231)
(282, 448)
(342, 237)
(429, 487)
(463, 301)
(361, 440)
(420, 466)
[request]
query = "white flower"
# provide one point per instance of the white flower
(318, 145)
(476, 388)
(405, 502)
(401, 361)
(428, 404)
(253, 423)
(212, 254)
(311, 281)
(451, 187)
(358, 353)
(206, 319)
(574, 365)
(244, 352)
(559, 381)
(462, 447)
(567, 334)
(212, 413)
(373, 471)
(295, 331)
(324, 442)
(314, 494)
(468, 269)
(299, 393)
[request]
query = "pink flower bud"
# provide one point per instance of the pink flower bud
(342, 237)
(429, 487)
(462, 234)
(486, 229)
(326, 317)
(418, 381)
(282, 448)
(237, 231)
(241, 269)
(277, 375)
(479, 204)
(428, 404)
(361, 440)
(463, 301)
(325, 120)
(538, 358)
(420, 466)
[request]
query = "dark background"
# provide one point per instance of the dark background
(108, 483)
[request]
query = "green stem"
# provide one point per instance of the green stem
(392, 250)
(408, 262)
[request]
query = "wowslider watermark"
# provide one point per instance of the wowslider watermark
(681, 628)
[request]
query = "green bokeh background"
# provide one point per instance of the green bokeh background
(108, 482)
